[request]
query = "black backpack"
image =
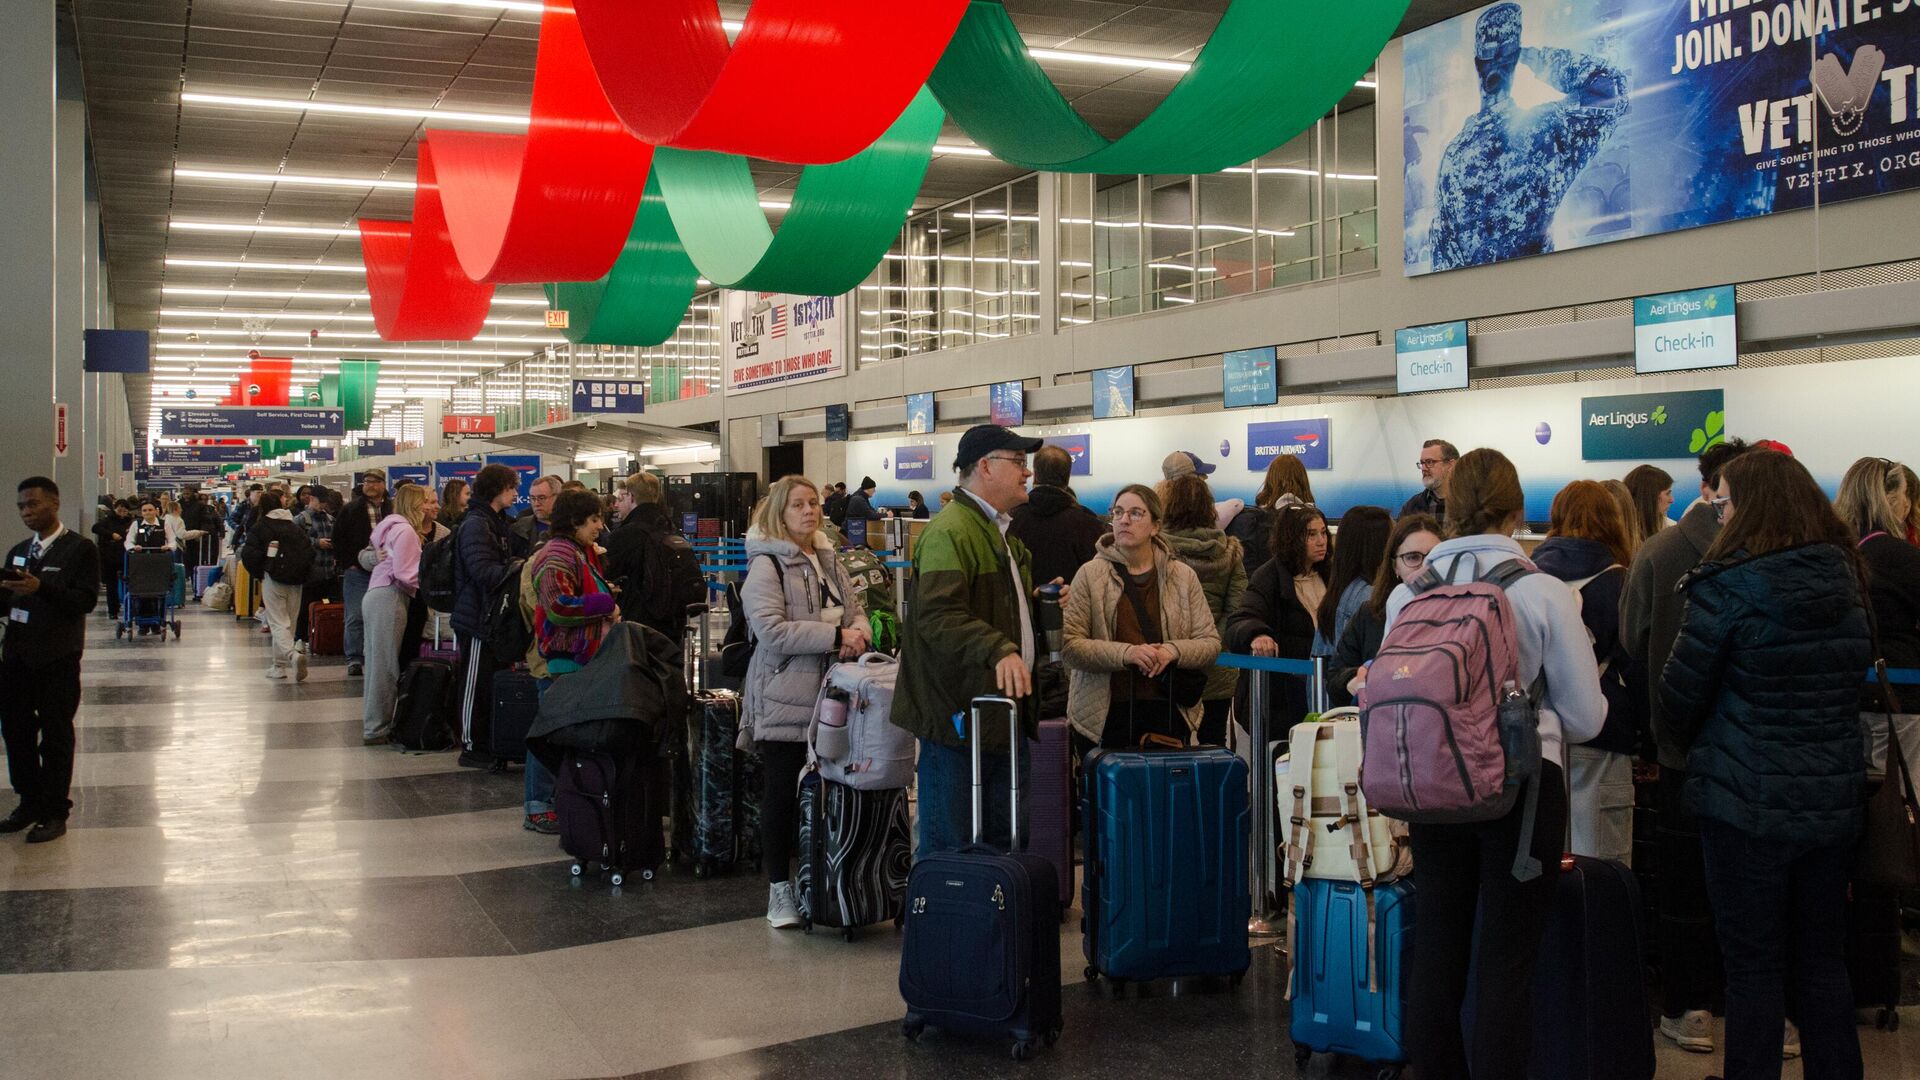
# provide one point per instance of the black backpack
(508, 635)
(436, 572)
(670, 581)
(294, 563)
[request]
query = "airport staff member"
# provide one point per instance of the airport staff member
(52, 580)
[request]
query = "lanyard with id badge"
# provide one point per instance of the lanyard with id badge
(16, 568)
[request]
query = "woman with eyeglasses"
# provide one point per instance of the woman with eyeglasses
(1276, 616)
(1405, 556)
(1762, 692)
(1134, 614)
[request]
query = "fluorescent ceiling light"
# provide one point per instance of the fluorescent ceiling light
(961, 150)
(300, 294)
(322, 316)
(250, 264)
(256, 227)
(1073, 56)
(350, 335)
(248, 101)
(392, 350)
(291, 178)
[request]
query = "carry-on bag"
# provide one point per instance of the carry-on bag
(1164, 887)
(203, 579)
(1341, 934)
(855, 851)
(1050, 803)
(177, 594)
(853, 737)
(720, 803)
(1590, 1018)
(516, 703)
(609, 816)
(981, 953)
(326, 628)
(426, 715)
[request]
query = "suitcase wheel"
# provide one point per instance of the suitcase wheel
(912, 1027)
(1302, 1055)
(575, 869)
(1091, 973)
(847, 935)
(1052, 1036)
(1388, 1072)
(618, 879)
(1888, 1020)
(1023, 1049)
(646, 875)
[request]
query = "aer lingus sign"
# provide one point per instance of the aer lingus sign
(1651, 427)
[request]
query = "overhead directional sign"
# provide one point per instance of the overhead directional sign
(608, 396)
(177, 455)
(374, 447)
(241, 422)
(182, 474)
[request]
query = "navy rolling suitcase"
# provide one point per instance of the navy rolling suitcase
(1590, 1016)
(610, 815)
(516, 704)
(1337, 1008)
(982, 946)
(1165, 891)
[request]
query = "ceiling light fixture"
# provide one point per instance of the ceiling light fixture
(247, 101)
(248, 264)
(290, 178)
(255, 227)
(1074, 56)
(308, 316)
(300, 294)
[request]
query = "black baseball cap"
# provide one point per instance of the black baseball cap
(983, 439)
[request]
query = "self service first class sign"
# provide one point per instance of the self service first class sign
(1684, 330)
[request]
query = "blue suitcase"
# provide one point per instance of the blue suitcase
(1165, 892)
(1334, 1009)
(981, 950)
(177, 594)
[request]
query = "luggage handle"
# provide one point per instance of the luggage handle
(1013, 768)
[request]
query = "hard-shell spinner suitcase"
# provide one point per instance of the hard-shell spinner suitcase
(855, 852)
(1337, 1008)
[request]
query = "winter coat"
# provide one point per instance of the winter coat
(1216, 559)
(1425, 502)
(525, 535)
(1253, 527)
(110, 538)
(1553, 642)
(400, 541)
(1650, 609)
(860, 508)
(478, 564)
(1058, 531)
(319, 526)
(575, 607)
(629, 545)
(1893, 584)
(354, 528)
(964, 618)
(1359, 643)
(1092, 655)
(795, 647)
(1763, 691)
(1271, 607)
(1571, 559)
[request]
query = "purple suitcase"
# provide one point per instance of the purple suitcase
(1050, 820)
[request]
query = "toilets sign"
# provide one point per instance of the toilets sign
(1685, 330)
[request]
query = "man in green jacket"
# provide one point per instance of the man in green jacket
(970, 634)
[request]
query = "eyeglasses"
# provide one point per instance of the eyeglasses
(1129, 514)
(1720, 506)
(1424, 464)
(1019, 460)
(1411, 559)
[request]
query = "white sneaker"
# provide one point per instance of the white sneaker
(1790, 1044)
(1691, 1030)
(783, 910)
(299, 666)
(276, 672)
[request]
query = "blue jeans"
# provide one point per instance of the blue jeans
(946, 796)
(539, 785)
(1780, 912)
(353, 639)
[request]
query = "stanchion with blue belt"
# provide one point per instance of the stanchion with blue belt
(1259, 694)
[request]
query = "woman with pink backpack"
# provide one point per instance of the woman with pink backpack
(1485, 883)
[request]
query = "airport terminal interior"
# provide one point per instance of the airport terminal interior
(560, 263)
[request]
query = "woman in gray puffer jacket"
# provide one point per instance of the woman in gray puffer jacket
(803, 613)
(1220, 563)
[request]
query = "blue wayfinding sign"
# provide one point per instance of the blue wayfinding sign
(1685, 330)
(375, 447)
(608, 396)
(1430, 357)
(230, 455)
(182, 474)
(1307, 440)
(241, 422)
(1249, 377)
(320, 453)
(125, 351)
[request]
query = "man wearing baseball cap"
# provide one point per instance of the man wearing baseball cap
(1182, 462)
(971, 634)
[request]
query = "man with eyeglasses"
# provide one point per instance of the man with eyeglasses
(1437, 458)
(530, 530)
(971, 634)
(1651, 608)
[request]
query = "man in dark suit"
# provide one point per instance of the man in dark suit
(52, 580)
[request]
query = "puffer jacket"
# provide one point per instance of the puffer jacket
(1058, 530)
(1763, 691)
(479, 561)
(1091, 654)
(1253, 527)
(795, 646)
(1217, 559)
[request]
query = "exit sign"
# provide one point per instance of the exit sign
(466, 424)
(556, 320)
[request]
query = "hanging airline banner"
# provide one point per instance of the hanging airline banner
(1685, 330)
(1249, 377)
(1652, 427)
(375, 447)
(772, 339)
(173, 455)
(1007, 403)
(1583, 126)
(528, 467)
(1307, 440)
(240, 422)
(920, 414)
(913, 463)
(607, 396)
(1112, 392)
(1430, 358)
(1078, 446)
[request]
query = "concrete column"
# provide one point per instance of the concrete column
(27, 251)
(75, 473)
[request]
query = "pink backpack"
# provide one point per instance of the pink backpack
(1449, 737)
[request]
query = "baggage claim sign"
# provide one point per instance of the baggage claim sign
(777, 340)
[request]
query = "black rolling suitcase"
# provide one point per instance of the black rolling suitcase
(1590, 1014)
(426, 715)
(856, 849)
(516, 704)
(720, 804)
(982, 946)
(609, 815)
